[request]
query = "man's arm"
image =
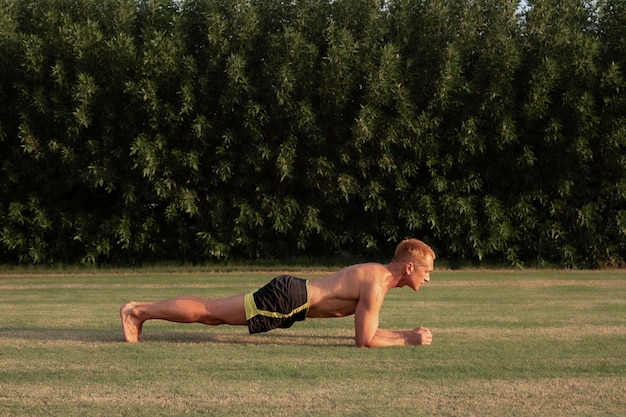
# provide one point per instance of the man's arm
(417, 336)
(366, 320)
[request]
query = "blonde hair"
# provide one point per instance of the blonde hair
(413, 250)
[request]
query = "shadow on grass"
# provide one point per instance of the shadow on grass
(278, 337)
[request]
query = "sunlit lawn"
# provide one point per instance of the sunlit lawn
(505, 343)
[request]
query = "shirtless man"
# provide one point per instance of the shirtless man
(358, 289)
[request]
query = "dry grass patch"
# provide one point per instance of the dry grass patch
(570, 333)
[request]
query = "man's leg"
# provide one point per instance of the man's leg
(186, 309)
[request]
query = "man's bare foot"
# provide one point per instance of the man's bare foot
(131, 326)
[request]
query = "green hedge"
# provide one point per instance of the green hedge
(135, 131)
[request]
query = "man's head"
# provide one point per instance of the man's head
(413, 250)
(415, 260)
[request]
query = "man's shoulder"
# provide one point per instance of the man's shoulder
(358, 274)
(368, 266)
(365, 272)
(370, 272)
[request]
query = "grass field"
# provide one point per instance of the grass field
(533, 343)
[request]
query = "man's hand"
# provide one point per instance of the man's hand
(421, 336)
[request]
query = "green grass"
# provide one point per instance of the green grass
(535, 343)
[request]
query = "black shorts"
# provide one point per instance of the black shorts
(280, 303)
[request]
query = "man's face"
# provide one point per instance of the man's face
(421, 274)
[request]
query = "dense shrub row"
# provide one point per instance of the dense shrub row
(136, 130)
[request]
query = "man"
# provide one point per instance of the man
(358, 289)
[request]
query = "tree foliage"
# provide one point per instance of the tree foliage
(141, 130)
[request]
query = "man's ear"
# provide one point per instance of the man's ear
(408, 268)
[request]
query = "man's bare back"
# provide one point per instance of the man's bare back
(357, 290)
(337, 295)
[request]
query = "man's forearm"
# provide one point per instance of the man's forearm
(383, 338)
